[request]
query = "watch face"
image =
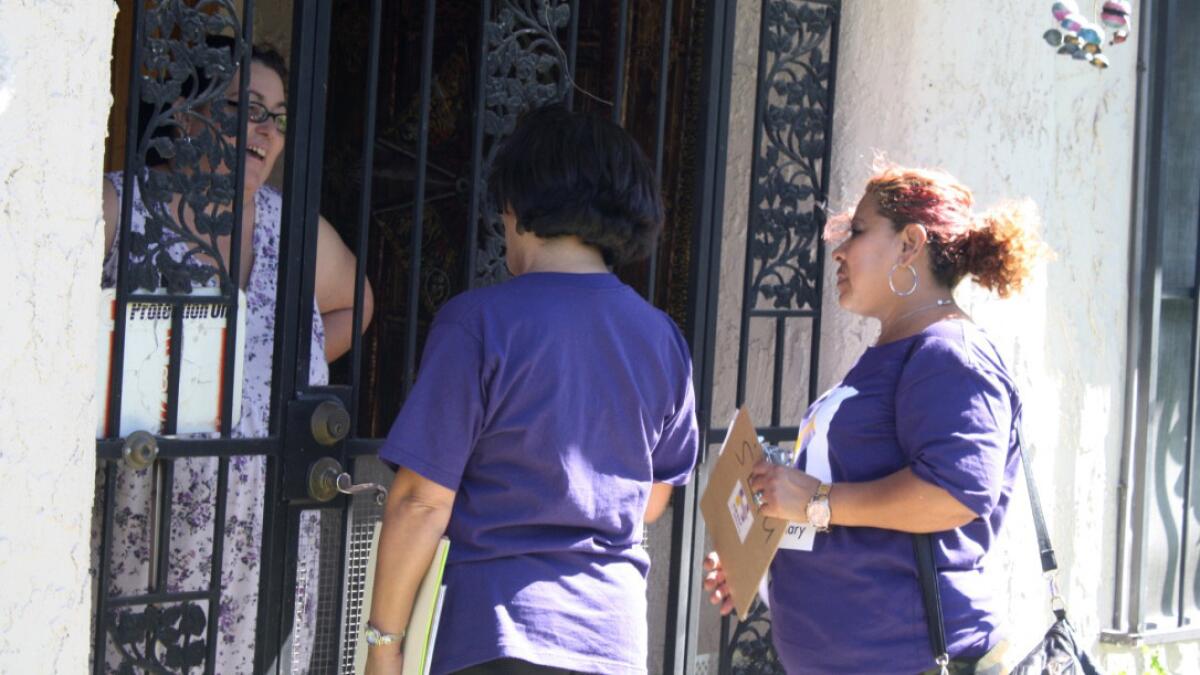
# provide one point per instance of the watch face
(818, 514)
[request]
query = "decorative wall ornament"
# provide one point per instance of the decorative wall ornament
(1082, 39)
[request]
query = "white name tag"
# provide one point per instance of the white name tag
(799, 537)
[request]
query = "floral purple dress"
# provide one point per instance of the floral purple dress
(194, 500)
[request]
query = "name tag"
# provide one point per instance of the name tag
(799, 537)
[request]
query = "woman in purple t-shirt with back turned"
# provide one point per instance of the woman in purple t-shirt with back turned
(919, 437)
(551, 418)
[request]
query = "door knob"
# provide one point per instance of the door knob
(323, 477)
(326, 480)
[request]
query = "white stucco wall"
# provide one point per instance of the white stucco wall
(54, 100)
(971, 87)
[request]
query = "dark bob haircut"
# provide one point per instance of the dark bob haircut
(568, 173)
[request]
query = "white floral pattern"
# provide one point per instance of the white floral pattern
(194, 495)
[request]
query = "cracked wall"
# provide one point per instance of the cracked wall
(54, 100)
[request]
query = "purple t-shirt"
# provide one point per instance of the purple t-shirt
(941, 402)
(550, 403)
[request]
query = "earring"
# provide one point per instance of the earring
(892, 284)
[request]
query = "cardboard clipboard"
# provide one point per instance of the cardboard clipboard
(745, 539)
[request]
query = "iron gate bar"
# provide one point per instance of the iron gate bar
(684, 601)
(116, 371)
(218, 557)
(473, 211)
(784, 313)
(619, 73)
(362, 447)
(148, 598)
(749, 292)
(414, 282)
(406, 205)
(163, 480)
(826, 160)
(660, 125)
(228, 365)
(1189, 457)
(1128, 601)
(174, 361)
(170, 448)
(364, 214)
(777, 375)
(313, 161)
(572, 44)
(176, 301)
(100, 635)
(310, 26)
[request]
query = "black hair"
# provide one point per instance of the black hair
(569, 173)
(262, 53)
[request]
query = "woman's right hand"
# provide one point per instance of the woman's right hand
(715, 583)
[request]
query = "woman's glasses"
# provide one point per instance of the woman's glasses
(258, 113)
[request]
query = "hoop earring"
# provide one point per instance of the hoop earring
(892, 284)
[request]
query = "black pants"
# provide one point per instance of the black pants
(513, 667)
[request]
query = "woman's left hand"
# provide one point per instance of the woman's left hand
(782, 491)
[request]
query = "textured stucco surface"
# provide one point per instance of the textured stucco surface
(54, 100)
(972, 88)
(1014, 120)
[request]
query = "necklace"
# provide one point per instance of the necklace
(940, 303)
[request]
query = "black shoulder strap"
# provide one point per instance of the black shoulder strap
(1045, 548)
(923, 546)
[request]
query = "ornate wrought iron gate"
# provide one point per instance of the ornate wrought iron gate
(784, 250)
(394, 112)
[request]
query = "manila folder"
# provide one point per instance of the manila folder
(421, 632)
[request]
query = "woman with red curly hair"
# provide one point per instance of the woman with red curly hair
(919, 437)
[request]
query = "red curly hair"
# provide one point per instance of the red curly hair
(998, 248)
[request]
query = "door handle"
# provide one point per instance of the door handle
(346, 487)
(326, 479)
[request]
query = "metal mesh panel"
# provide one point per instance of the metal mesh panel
(323, 619)
(365, 511)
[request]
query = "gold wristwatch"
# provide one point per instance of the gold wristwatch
(818, 511)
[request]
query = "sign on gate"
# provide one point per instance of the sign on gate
(149, 341)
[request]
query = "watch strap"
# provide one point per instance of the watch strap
(375, 637)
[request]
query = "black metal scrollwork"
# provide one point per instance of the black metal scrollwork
(794, 112)
(526, 67)
(160, 640)
(753, 653)
(187, 127)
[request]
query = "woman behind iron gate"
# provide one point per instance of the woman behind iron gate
(918, 437)
(552, 415)
(195, 479)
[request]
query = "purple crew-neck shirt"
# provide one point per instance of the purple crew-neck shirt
(943, 403)
(550, 403)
